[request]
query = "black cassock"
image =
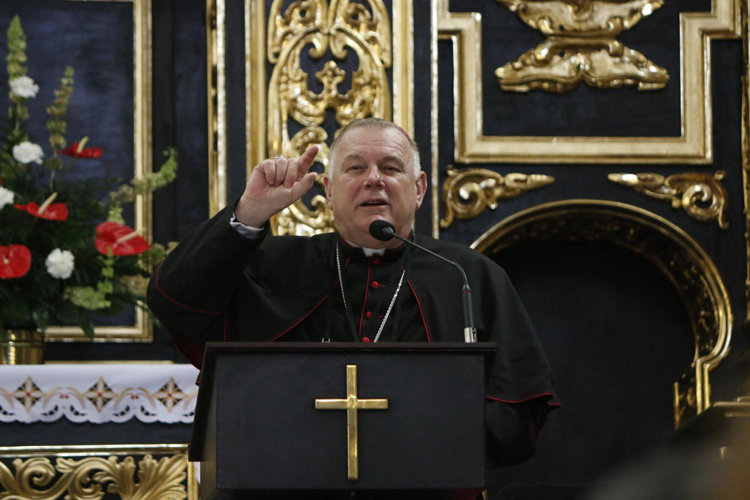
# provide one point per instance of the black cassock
(220, 285)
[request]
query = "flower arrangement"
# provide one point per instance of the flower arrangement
(65, 254)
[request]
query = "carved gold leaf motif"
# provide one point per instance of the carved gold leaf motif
(482, 188)
(581, 47)
(701, 195)
(92, 477)
(338, 28)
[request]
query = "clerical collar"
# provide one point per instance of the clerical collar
(369, 252)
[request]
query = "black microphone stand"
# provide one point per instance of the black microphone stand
(383, 230)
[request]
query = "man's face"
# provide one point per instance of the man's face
(373, 178)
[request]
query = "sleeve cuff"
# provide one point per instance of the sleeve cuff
(249, 232)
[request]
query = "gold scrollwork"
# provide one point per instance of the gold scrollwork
(482, 188)
(581, 47)
(701, 195)
(339, 27)
(37, 478)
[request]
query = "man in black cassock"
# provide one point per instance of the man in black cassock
(231, 280)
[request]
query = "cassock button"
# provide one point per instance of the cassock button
(376, 261)
(365, 339)
(369, 313)
(375, 284)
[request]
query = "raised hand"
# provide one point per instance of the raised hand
(274, 185)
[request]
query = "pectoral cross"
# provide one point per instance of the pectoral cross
(351, 404)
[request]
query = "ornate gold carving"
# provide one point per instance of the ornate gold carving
(690, 191)
(671, 249)
(37, 478)
(482, 188)
(142, 329)
(581, 47)
(338, 26)
(351, 404)
(341, 27)
(694, 146)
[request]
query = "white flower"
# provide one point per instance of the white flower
(60, 264)
(23, 86)
(6, 197)
(26, 152)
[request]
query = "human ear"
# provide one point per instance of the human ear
(421, 185)
(328, 185)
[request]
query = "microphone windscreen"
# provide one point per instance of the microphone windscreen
(382, 230)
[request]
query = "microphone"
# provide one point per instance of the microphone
(383, 230)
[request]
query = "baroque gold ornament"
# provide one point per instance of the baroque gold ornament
(701, 195)
(341, 27)
(482, 188)
(581, 46)
(92, 477)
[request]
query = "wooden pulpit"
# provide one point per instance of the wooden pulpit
(299, 420)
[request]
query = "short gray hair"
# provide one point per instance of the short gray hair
(377, 124)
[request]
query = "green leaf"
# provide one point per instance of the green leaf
(86, 323)
(18, 310)
(41, 318)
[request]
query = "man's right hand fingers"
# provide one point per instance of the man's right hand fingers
(306, 160)
(268, 167)
(303, 186)
(281, 166)
(291, 172)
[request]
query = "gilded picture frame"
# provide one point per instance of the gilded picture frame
(694, 145)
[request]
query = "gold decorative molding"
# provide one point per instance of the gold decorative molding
(693, 146)
(217, 105)
(336, 28)
(434, 139)
(97, 470)
(482, 188)
(671, 249)
(581, 46)
(701, 195)
(746, 151)
(142, 329)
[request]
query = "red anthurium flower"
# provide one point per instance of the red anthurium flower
(54, 211)
(121, 239)
(15, 261)
(80, 152)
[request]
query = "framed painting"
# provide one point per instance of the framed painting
(108, 44)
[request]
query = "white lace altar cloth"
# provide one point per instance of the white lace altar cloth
(98, 393)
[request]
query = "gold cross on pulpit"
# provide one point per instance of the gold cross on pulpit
(351, 404)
